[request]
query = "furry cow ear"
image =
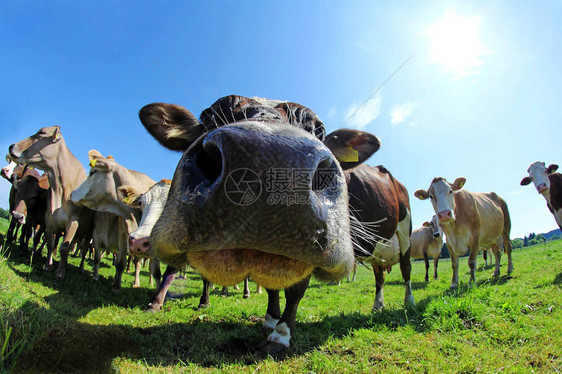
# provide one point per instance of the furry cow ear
(172, 125)
(552, 168)
(458, 183)
(525, 181)
(352, 147)
(129, 195)
(56, 134)
(97, 161)
(426, 224)
(421, 194)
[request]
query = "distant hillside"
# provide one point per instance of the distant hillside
(552, 233)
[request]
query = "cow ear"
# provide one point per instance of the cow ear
(129, 195)
(97, 161)
(352, 147)
(56, 134)
(552, 168)
(426, 224)
(421, 194)
(171, 125)
(458, 183)
(8, 158)
(525, 181)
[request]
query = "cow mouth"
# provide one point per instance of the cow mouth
(543, 191)
(231, 266)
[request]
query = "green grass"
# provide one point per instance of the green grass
(510, 324)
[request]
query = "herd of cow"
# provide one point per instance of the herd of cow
(341, 210)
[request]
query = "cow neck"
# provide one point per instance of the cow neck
(554, 195)
(65, 174)
(121, 177)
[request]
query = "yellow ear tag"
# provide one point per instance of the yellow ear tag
(348, 154)
(93, 163)
(127, 200)
(30, 167)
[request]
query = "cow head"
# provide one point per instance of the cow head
(151, 204)
(434, 226)
(37, 149)
(538, 174)
(441, 194)
(256, 192)
(98, 191)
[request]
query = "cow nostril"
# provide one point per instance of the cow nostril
(324, 175)
(209, 161)
(145, 244)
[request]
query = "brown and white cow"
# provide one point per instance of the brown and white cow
(99, 192)
(47, 150)
(472, 221)
(31, 209)
(223, 216)
(549, 184)
(427, 242)
(14, 172)
(381, 221)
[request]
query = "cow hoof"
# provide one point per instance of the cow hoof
(246, 296)
(427, 279)
(436, 278)
(153, 307)
(378, 307)
(48, 268)
(60, 278)
(203, 305)
(136, 285)
(271, 348)
(115, 289)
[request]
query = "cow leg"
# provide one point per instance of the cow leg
(507, 250)
(498, 256)
(52, 243)
(121, 260)
(455, 266)
(258, 289)
(204, 301)
(406, 270)
(138, 265)
(158, 298)
(65, 248)
(379, 293)
(246, 288)
(154, 265)
(284, 330)
(97, 259)
(472, 256)
(27, 230)
(426, 261)
(224, 291)
(485, 256)
(36, 240)
(273, 313)
(435, 262)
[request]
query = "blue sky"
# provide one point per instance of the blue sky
(479, 99)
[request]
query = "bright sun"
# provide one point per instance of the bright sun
(454, 44)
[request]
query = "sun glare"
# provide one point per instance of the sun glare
(454, 44)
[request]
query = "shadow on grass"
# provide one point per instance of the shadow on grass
(75, 346)
(558, 279)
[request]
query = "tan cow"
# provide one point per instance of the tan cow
(471, 221)
(47, 150)
(427, 242)
(99, 192)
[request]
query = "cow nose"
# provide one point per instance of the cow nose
(542, 188)
(20, 218)
(436, 235)
(139, 245)
(445, 215)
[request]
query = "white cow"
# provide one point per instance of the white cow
(549, 184)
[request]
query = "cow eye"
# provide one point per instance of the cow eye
(450, 191)
(92, 171)
(431, 197)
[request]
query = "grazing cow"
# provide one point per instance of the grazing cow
(47, 150)
(381, 219)
(427, 242)
(99, 192)
(471, 221)
(549, 184)
(231, 212)
(31, 209)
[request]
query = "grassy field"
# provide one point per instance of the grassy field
(507, 325)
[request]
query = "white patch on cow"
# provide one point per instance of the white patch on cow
(403, 233)
(409, 298)
(8, 170)
(539, 175)
(281, 335)
(270, 322)
(379, 300)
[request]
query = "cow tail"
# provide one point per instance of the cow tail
(506, 226)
